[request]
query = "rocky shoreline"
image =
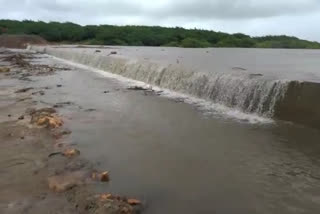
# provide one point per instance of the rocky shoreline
(40, 171)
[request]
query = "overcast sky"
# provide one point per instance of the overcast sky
(299, 18)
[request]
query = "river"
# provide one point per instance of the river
(180, 157)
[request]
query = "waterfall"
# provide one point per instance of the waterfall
(242, 91)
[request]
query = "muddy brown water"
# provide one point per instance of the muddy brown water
(179, 160)
(280, 84)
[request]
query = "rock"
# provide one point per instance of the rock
(9, 115)
(21, 118)
(97, 51)
(112, 53)
(45, 117)
(59, 86)
(23, 90)
(71, 152)
(103, 177)
(50, 121)
(4, 70)
(137, 88)
(117, 204)
(106, 92)
(114, 206)
(133, 202)
(105, 196)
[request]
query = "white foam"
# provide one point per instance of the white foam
(209, 107)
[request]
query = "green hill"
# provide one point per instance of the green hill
(147, 36)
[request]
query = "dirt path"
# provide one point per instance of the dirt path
(39, 171)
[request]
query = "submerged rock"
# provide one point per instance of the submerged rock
(71, 152)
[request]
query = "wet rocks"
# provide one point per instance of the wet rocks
(65, 170)
(50, 121)
(137, 88)
(70, 152)
(17, 60)
(133, 201)
(103, 177)
(112, 53)
(146, 91)
(107, 201)
(59, 86)
(45, 117)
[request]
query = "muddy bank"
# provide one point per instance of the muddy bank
(40, 170)
(20, 41)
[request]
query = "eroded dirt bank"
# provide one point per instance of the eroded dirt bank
(40, 171)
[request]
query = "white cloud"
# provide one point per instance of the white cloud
(255, 17)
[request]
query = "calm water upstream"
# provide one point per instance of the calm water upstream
(180, 160)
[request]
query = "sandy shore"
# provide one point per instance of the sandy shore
(40, 172)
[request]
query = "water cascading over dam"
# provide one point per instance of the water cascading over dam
(282, 95)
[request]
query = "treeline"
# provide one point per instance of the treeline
(147, 36)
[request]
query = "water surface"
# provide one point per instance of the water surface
(178, 160)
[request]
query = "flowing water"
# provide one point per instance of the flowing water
(182, 160)
(270, 83)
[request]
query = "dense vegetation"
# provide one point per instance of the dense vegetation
(147, 36)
